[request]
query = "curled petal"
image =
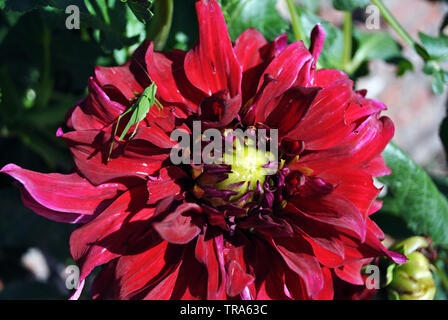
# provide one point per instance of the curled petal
(176, 227)
(212, 65)
(63, 198)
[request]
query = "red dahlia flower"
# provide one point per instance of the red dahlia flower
(165, 231)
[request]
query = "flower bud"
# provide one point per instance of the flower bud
(412, 280)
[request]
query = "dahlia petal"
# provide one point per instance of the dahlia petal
(354, 185)
(210, 253)
(97, 243)
(358, 149)
(100, 105)
(332, 209)
(327, 292)
(177, 228)
(219, 109)
(283, 70)
(86, 151)
(272, 286)
(164, 289)
(370, 248)
(78, 291)
(327, 246)
(376, 230)
(295, 102)
(377, 167)
(168, 73)
(191, 282)
(212, 65)
(156, 136)
(79, 120)
(247, 48)
(325, 77)
(351, 272)
(298, 255)
(51, 214)
(237, 277)
(323, 126)
(120, 77)
(317, 41)
(375, 207)
(254, 54)
(63, 198)
(295, 286)
(149, 273)
(363, 108)
(165, 119)
(165, 185)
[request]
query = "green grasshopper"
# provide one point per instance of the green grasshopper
(139, 110)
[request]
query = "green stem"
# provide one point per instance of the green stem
(160, 26)
(442, 275)
(295, 21)
(387, 15)
(348, 28)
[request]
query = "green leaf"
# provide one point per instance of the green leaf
(437, 83)
(310, 5)
(440, 78)
(141, 9)
(403, 66)
(349, 5)
(413, 196)
(376, 45)
(259, 14)
(437, 47)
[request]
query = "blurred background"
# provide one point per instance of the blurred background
(44, 68)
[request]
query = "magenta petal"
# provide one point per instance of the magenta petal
(317, 41)
(151, 274)
(357, 149)
(156, 136)
(334, 210)
(210, 253)
(299, 257)
(92, 245)
(64, 198)
(178, 228)
(99, 104)
(281, 73)
(212, 65)
(169, 75)
(325, 77)
(237, 277)
(89, 158)
(165, 185)
(323, 126)
(351, 272)
(119, 77)
(247, 48)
